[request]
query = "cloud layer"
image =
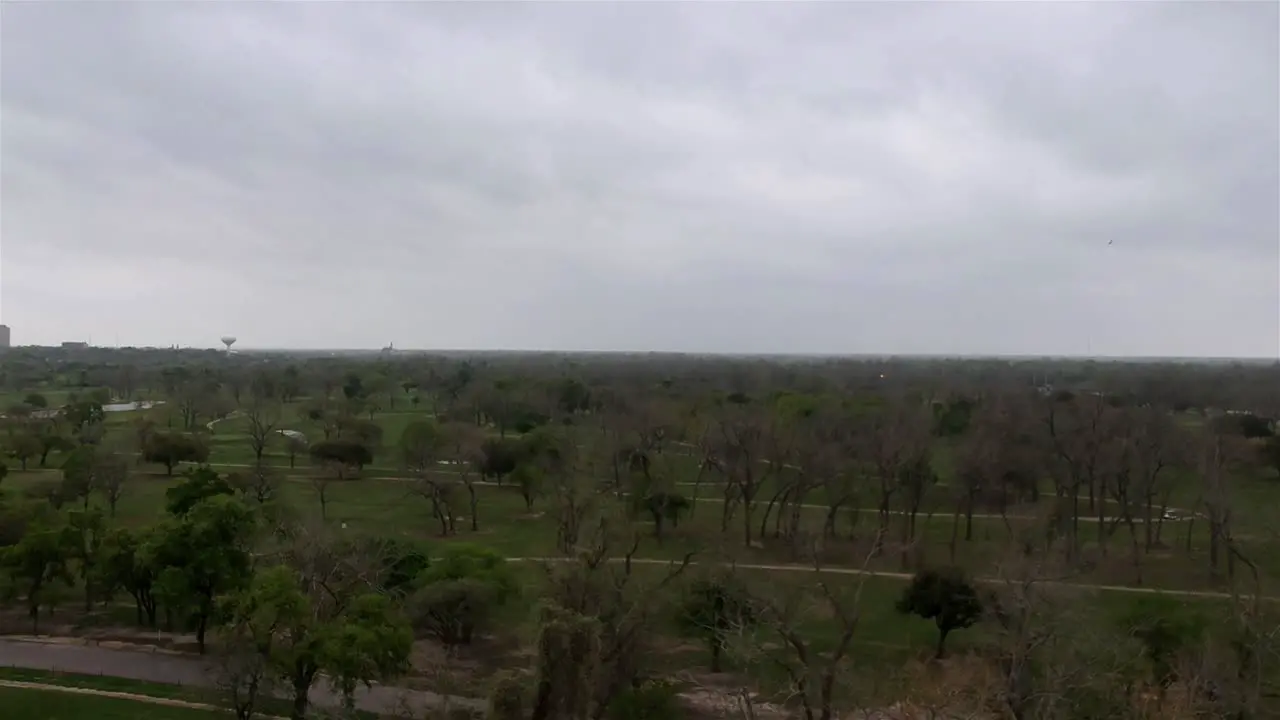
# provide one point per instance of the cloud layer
(941, 178)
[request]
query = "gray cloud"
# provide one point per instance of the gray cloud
(803, 177)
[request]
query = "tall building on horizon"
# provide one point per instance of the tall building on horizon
(4, 336)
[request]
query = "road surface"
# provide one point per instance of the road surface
(192, 671)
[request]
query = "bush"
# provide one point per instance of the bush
(652, 700)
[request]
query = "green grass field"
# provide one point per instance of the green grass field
(29, 704)
(383, 501)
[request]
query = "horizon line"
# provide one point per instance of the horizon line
(713, 353)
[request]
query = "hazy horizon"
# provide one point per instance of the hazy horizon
(933, 179)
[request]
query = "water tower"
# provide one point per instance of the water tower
(228, 340)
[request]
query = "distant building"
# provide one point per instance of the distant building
(74, 345)
(4, 336)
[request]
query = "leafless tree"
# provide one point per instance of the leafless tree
(813, 671)
(748, 449)
(264, 417)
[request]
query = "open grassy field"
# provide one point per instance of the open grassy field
(385, 500)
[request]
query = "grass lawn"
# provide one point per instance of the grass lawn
(27, 704)
(108, 683)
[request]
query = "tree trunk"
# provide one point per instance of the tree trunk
(942, 642)
(301, 700)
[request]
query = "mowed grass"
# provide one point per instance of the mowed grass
(395, 508)
(29, 704)
(383, 501)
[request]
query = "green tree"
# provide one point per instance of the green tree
(171, 449)
(78, 474)
(24, 446)
(369, 642)
(37, 567)
(85, 531)
(36, 400)
(127, 567)
(1164, 627)
(296, 639)
(460, 592)
(203, 554)
(51, 441)
(260, 621)
(199, 484)
(342, 455)
(420, 446)
(82, 414)
(944, 596)
(665, 507)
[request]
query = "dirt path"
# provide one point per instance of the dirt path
(907, 576)
(289, 474)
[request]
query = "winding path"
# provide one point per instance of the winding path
(1209, 594)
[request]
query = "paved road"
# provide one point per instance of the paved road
(192, 671)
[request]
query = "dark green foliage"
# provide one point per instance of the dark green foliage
(353, 387)
(124, 566)
(951, 418)
(573, 396)
(342, 454)
(1251, 426)
(78, 474)
(170, 449)
(82, 413)
(1270, 453)
(38, 566)
(665, 507)
(1164, 627)
(199, 484)
(944, 596)
(498, 458)
(201, 555)
(407, 562)
(460, 592)
(651, 700)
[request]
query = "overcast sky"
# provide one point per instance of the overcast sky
(728, 177)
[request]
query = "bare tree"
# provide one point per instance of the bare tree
(464, 442)
(263, 417)
(813, 671)
(748, 450)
